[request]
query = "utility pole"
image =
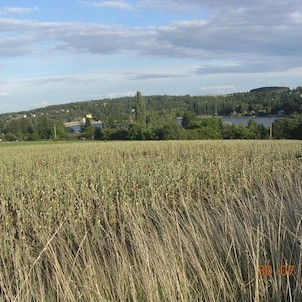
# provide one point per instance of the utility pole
(271, 129)
(55, 131)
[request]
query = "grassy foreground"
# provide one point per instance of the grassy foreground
(151, 221)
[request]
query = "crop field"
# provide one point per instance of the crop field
(151, 221)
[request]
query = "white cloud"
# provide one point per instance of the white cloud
(68, 80)
(108, 4)
(219, 87)
(3, 93)
(40, 104)
(260, 35)
(170, 5)
(14, 10)
(113, 95)
(159, 5)
(296, 17)
(160, 72)
(184, 39)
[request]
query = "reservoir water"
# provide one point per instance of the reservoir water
(265, 120)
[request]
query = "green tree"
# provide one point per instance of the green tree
(99, 134)
(111, 122)
(230, 131)
(188, 118)
(171, 131)
(88, 131)
(13, 129)
(252, 130)
(140, 109)
(289, 127)
(204, 128)
(2, 126)
(136, 132)
(59, 131)
(44, 127)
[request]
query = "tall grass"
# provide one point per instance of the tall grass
(151, 221)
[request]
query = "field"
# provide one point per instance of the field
(151, 221)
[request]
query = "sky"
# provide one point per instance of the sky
(60, 51)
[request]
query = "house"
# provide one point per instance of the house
(179, 121)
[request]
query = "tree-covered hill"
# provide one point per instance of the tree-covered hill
(271, 89)
(260, 101)
(154, 117)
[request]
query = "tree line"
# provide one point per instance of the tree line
(146, 123)
(258, 102)
(194, 127)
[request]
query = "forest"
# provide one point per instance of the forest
(154, 117)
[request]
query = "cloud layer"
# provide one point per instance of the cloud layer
(253, 34)
(16, 10)
(189, 46)
(3, 93)
(108, 4)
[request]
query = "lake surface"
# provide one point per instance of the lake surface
(264, 120)
(77, 128)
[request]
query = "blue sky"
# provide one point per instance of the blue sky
(54, 52)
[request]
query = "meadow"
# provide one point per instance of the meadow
(151, 221)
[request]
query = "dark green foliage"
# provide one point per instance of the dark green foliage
(111, 122)
(44, 126)
(99, 134)
(170, 131)
(288, 128)
(270, 89)
(34, 137)
(21, 129)
(201, 128)
(259, 102)
(252, 131)
(88, 131)
(11, 137)
(136, 132)
(115, 134)
(154, 117)
(13, 129)
(140, 109)
(230, 131)
(188, 118)
(34, 129)
(255, 131)
(59, 131)
(2, 125)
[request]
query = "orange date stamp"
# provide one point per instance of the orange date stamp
(283, 270)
